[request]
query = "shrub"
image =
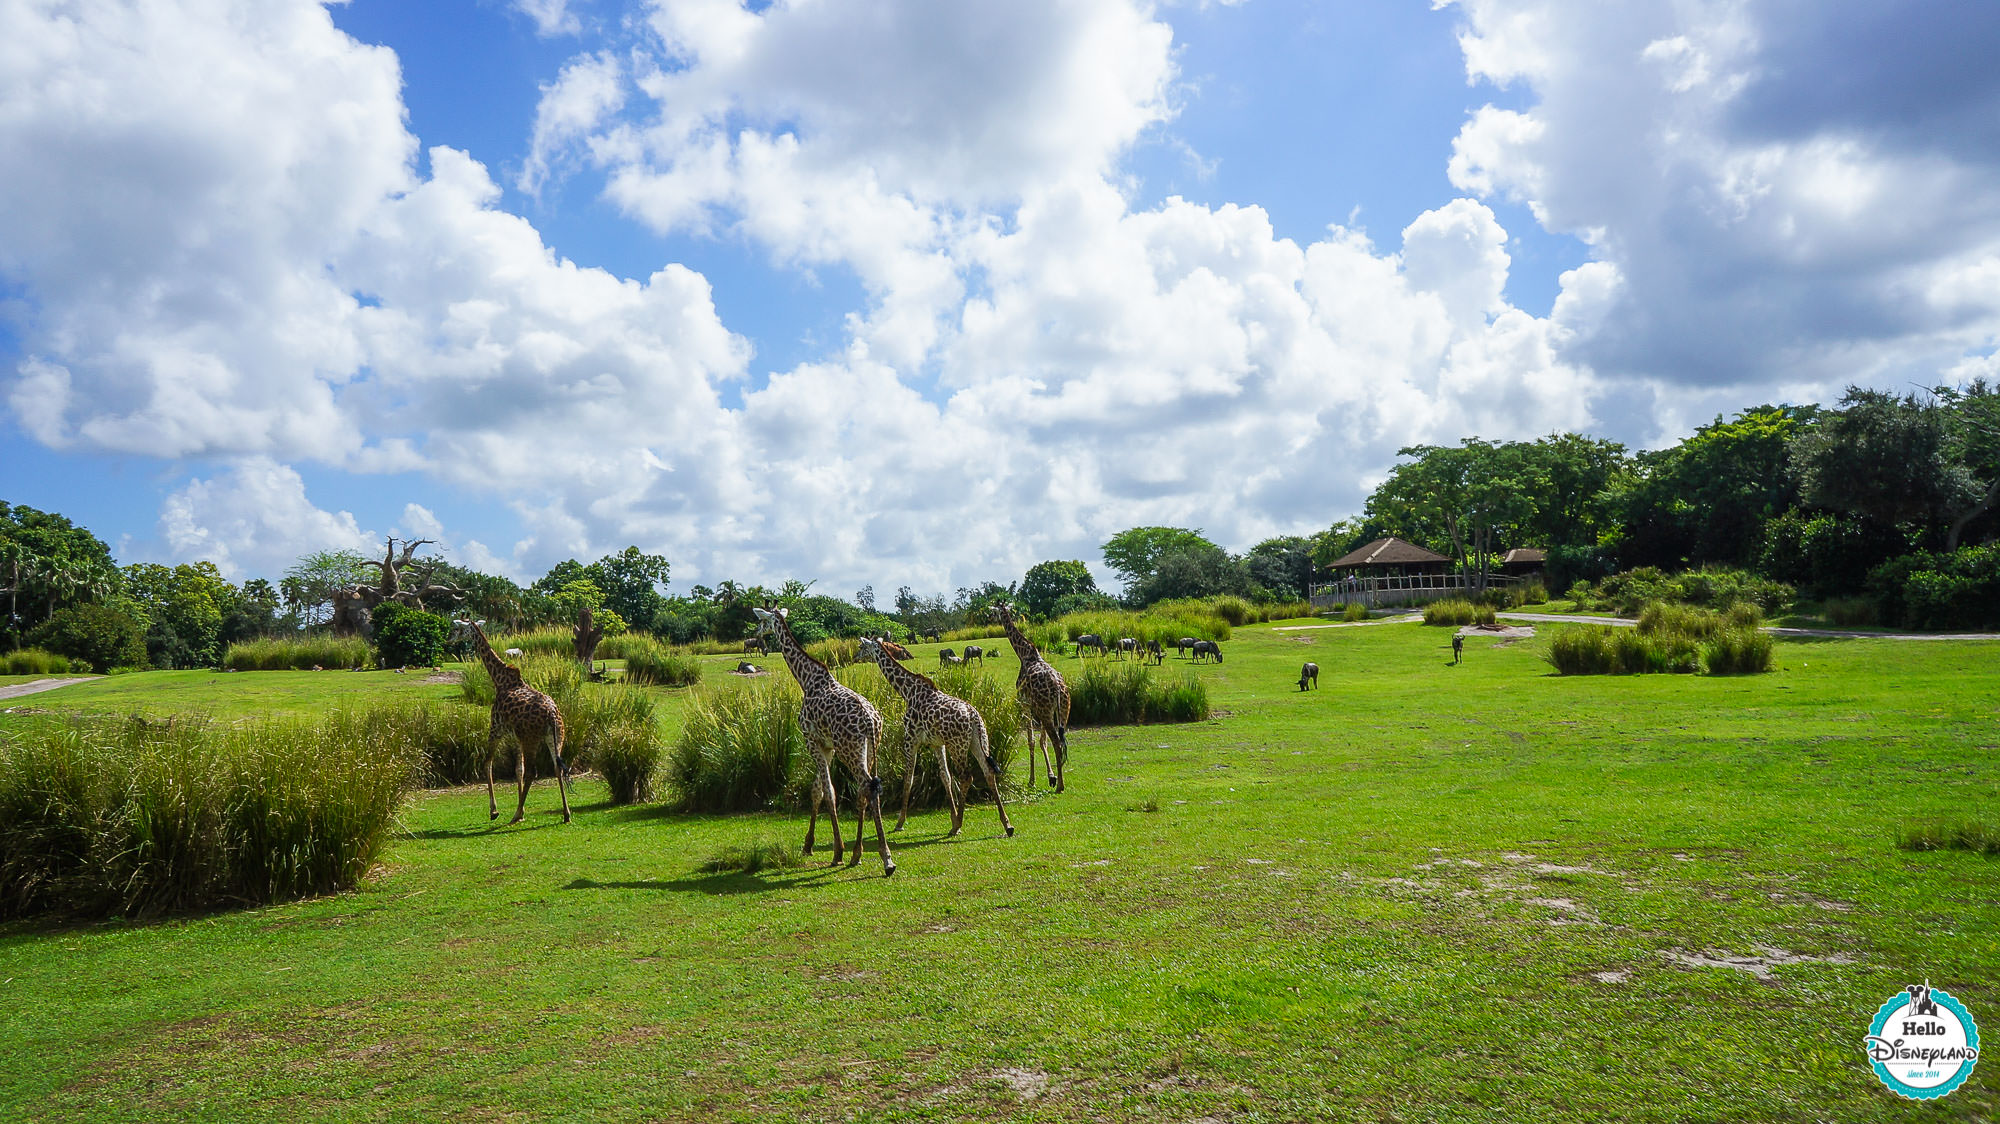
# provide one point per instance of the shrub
(1669, 638)
(975, 632)
(408, 637)
(1940, 591)
(1354, 612)
(34, 661)
(1104, 694)
(750, 858)
(1457, 612)
(100, 636)
(1850, 612)
(1628, 592)
(552, 641)
(124, 817)
(1527, 593)
(1235, 610)
(833, 651)
(651, 663)
(299, 653)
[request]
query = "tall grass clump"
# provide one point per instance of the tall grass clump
(835, 651)
(553, 640)
(651, 663)
(1669, 638)
(297, 653)
(974, 632)
(1739, 652)
(1935, 833)
(1457, 612)
(1104, 694)
(738, 748)
(1285, 611)
(1628, 592)
(34, 661)
(129, 818)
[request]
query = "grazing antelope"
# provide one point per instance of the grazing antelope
(1127, 646)
(1207, 648)
(1089, 640)
(1153, 650)
(1184, 645)
(1309, 673)
(975, 652)
(946, 656)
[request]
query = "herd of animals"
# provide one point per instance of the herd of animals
(840, 725)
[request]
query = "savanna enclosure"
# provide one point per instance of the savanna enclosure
(1425, 891)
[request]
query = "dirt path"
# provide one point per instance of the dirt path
(39, 685)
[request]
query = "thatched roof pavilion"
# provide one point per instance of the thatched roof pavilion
(1392, 555)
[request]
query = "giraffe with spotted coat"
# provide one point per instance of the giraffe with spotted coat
(531, 717)
(1044, 696)
(837, 724)
(934, 718)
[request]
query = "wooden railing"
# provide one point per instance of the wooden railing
(1402, 589)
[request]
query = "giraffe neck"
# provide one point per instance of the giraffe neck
(1023, 647)
(908, 684)
(811, 674)
(503, 673)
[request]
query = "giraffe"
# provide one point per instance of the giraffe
(530, 716)
(937, 719)
(1046, 698)
(838, 723)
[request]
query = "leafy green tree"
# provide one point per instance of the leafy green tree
(105, 636)
(1972, 422)
(580, 593)
(1282, 565)
(1706, 500)
(1474, 497)
(184, 607)
(1886, 458)
(1569, 480)
(1135, 553)
(1047, 583)
(1197, 571)
(47, 562)
(309, 584)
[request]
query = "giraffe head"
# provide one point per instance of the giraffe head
(895, 650)
(870, 647)
(769, 621)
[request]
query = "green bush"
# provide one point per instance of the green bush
(100, 636)
(300, 653)
(1959, 590)
(1354, 612)
(1938, 834)
(1850, 612)
(1106, 694)
(1669, 639)
(651, 663)
(1457, 613)
(1628, 592)
(130, 818)
(409, 637)
(34, 661)
(833, 651)
(551, 641)
(1739, 652)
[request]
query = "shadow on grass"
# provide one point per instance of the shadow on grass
(534, 822)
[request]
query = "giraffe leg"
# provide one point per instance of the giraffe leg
(950, 791)
(1031, 753)
(1049, 760)
(833, 812)
(556, 757)
(873, 788)
(1062, 755)
(492, 748)
(909, 778)
(983, 752)
(819, 792)
(522, 778)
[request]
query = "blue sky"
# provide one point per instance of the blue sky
(924, 291)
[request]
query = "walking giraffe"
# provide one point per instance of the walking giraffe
(530, 716)
(1045, 697)
(837, 723)
(934, 718)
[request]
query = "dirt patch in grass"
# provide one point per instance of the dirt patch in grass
(1759, 966)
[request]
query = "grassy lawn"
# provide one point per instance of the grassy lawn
(1423, 892)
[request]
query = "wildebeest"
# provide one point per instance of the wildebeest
(755, 644)
(1127, 646)
(1457, 648)
(1153, 650)
(1089, 640)
(1309, 673)
(1184, 645)
(931, 634)
(947, 656)
(975, 652)
(1207, 647)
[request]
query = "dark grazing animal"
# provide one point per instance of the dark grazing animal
(948, 656)
(1127, 646)
(1153, 650)
(1457, 648)
(1089, 640)
(1207, 648)
(1309, 672)
(1184, 645)
(975, 652)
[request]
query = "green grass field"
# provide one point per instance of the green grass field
(1423, 892)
